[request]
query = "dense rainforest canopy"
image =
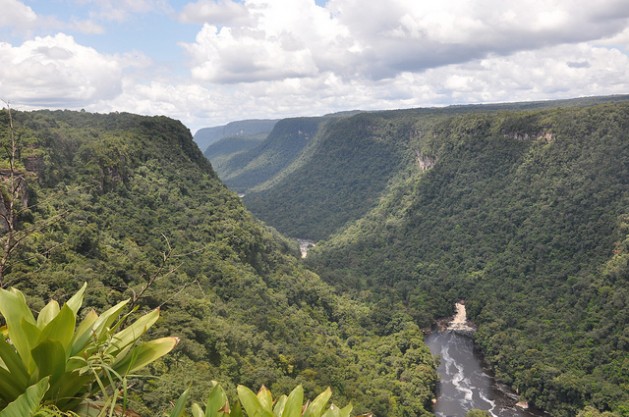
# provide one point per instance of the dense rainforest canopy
(129, 205)
(521, 210)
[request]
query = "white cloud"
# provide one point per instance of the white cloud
(354, 38)
(215, 12)
(21, 20)
(285, 39)
(555, 72)
(55, 71)
(16, 16)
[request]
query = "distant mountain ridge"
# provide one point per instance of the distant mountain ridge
(248, 162)
(247, 168)
(206, 136)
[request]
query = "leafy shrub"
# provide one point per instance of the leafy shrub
(53, 360)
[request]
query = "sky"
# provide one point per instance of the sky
(209, 62)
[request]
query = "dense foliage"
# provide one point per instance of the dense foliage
(524, 214)
(338, 180)
(67, 362)
(130, 205)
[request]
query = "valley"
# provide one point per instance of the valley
(520, 209)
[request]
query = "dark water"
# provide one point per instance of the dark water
(464, 383)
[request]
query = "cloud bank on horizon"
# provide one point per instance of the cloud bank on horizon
(207, 62)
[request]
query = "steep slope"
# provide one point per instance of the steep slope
(244, 170)
(338, 180)
(130, 205)
(220, 152)
(524, 215)
(240, 129)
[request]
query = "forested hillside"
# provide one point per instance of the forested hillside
(129, 205)
(521, 213)
(338, 180)
(245, 167)
(346, 168)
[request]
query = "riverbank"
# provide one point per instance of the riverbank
(465, 380)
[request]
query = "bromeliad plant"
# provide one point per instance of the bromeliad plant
(263, 404)
(71, 363)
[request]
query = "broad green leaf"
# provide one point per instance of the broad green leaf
(50, 358)
(216, 401)
(145, 353)
(13, 364)
(61, 328)
(251, 403)
(197, 411)
(133, 332)
(333, 411)
(294, 402)
(75, 302)
(106, 319)
(266, 398)
(26, 404)
(9, 389)
(47, 313)
(83, 332)
(316, 407)
(345, 411)
(96, 327)
(278, 409)
(16, 312)
(236, 410)
(70, 389)
(180, 405)
(31, 334)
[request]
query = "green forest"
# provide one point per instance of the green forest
(521, 210)
(129, 205)
(523, 214)
(518, 209)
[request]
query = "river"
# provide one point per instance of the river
(464, 382)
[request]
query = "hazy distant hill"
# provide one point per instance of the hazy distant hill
(246, 169)
(244, 128)
(256, 162)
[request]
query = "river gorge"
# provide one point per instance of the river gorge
(464, 382)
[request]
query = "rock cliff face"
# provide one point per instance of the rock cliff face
(425, 162)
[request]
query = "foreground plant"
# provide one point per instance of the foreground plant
(262, 404)
(70, 364)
